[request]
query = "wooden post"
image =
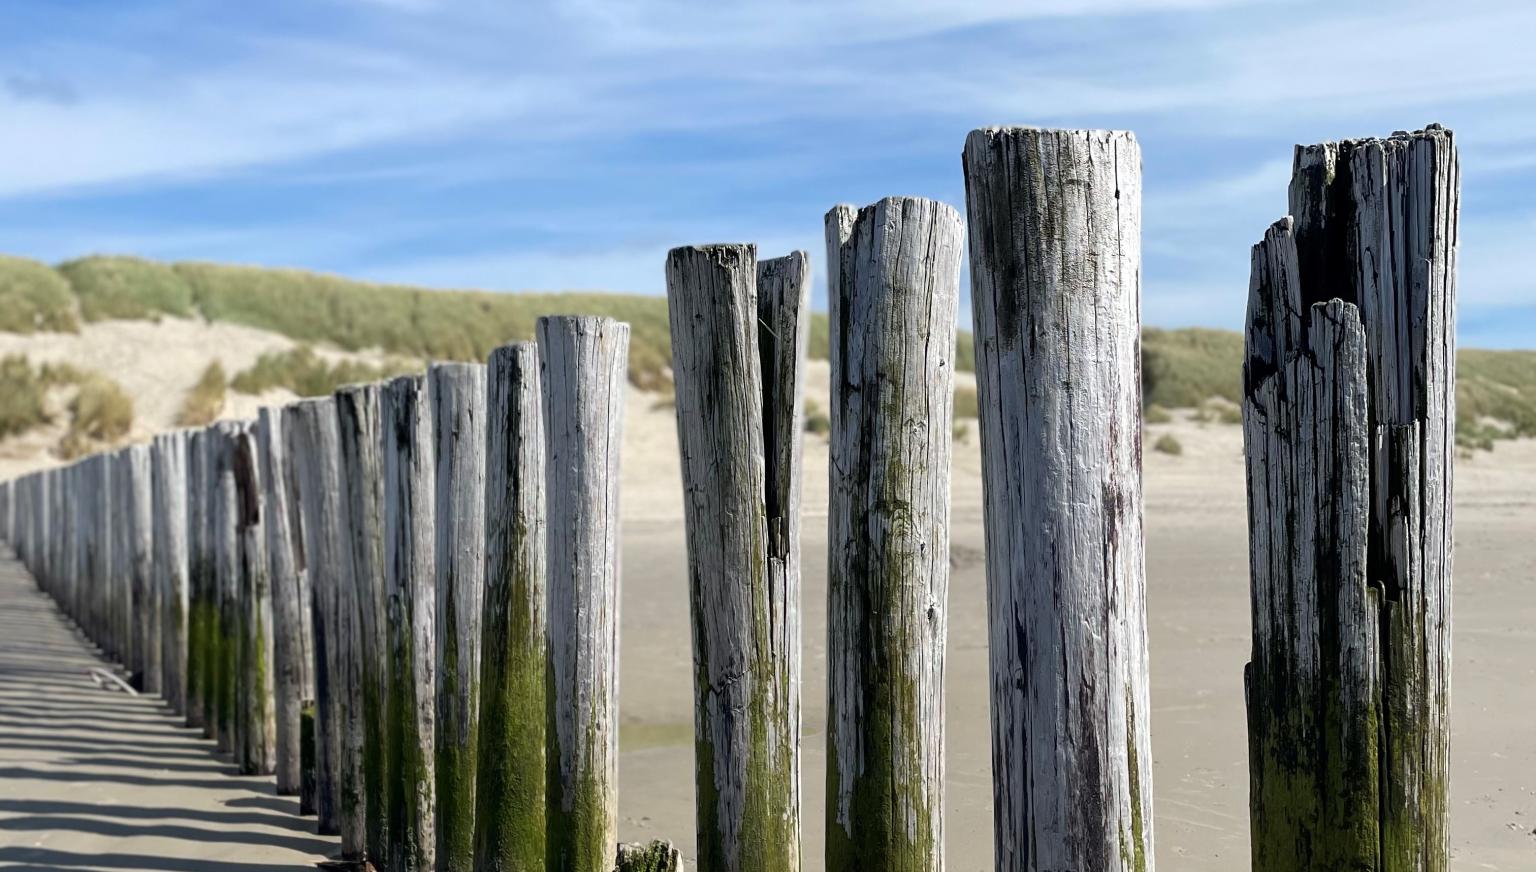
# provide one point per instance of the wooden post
(510, 789)
(258, 665)
(894, 291)
(288, 651)
(738, 359)
(457, 394)
(1351, 415)
(145, 603)
(198, 591)
(328, 565)
(120, 637)
(296, 448)
(169, 485)
(582, 365)
(409, 493)
(362, 479)
(1055, 231)
(225, 531)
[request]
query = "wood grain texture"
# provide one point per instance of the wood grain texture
(737, 396)
(224, 535)
(288, 651)
(362, 481)
(1375, 226)
(510, 787)
(409, 571)
(457, 394)
(894, 290)
(145, 608)
(257, 700)
(168, 470)
(582, 364)
(199, 594)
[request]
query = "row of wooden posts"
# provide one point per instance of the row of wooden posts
(403, 598)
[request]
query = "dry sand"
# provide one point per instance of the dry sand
(1198, 608)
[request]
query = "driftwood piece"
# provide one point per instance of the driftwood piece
(1055, 236)
(894, 290)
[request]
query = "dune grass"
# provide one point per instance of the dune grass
(23, 396)
(308, 374)
(126, 287)
(205, 400)
(34, 298)
(100, 414)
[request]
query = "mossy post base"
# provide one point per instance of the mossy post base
(738, 360)
(1349, 413)
(307, 786)
(894, 286)
(582, 366)
(510, 783)
(1055, 232)
(654, 857)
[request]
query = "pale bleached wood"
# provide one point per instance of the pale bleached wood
(1375, 225)
(287, 615)
(362, 480)
(581, 370)
(736, 357)
(297, 438)
(328, 565)
(120, 635)
(409, 494)
(168, 460)
(257, 702)
(510, 785)
(457, 394)
(144, 602)
(198, 591)
(1055, 240)
(893, 299)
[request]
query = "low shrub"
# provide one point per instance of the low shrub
(205, 400)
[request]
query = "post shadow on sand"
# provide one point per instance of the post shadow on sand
(22, 859)
(233, 814)
(220, 835)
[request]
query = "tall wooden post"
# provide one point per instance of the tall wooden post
(288, 651)
(1055, 230)
(409, 494)
(362, 479)
(145, 601)
(199, 598)
(457, 393)
(510, 789)
(894, 291)
(582, 363)
(228, 561)
(169, 485)
(257, 703)
(120, 637)
(738, 359)
(1350, 415)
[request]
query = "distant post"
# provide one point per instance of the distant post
(738, 351)
(582, 366)
(894, 289)
(510, 789)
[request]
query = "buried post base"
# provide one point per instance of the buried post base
(658, 856)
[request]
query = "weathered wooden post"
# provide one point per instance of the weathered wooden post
(1055, 231)
(199, 597)
(257, 754)
(409, 493)
(894, 289)
(582, 363)
(1349, 417)
(510, 785)
(288, 651)
(120, 636)
(144, 606)
(168, 460)
(328, 563)
(362, 480)
(457, 394)
(738, 351)
(224, 529)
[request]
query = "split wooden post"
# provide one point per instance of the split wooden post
(1351, 415)
(894, 290)
(409, 494)
(510, 785)
(145, 602)
(582, 363)
(229, 560)
(169, 484)
(257, 701)
(328, 565)
(362, 480)
(288, 651)
(199, 596)
(457, 394)
(1055, 232)
(738, 356)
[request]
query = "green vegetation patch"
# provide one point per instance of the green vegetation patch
(100, 414)
(1183, 369)
(127, 287)
(34, 298)
(1168, 445)
(308, 374)
(23, 396)
(205, 400)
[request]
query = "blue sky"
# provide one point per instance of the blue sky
(567, 144)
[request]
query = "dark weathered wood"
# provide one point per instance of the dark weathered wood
(362, 481)
(457, 393)
(894, 289)
(225, 537)
(199, 594)
(1055, 240)
(409, 493)
(288, 652)
(737, 354)
(144, 593)
(1349, 687)
(510, 786)
(257, 702)
(168, 460)
(297, 433)
(582, 364)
